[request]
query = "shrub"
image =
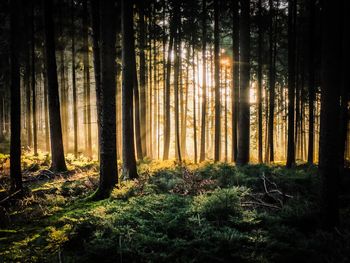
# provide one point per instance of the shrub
(220, 205)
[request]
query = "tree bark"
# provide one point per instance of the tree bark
(15, 140)
(330, 110)
(57, 152)
(74, 85)
(291, 81)
(260, 79)
(204, 81)
(235, 76)
(217, 137)
(128, 56)
(244, 106)
(106, 98)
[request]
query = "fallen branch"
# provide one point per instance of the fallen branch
(10, 196)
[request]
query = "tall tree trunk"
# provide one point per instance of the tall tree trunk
(74, 84)
(62, 73)
(106, 96)
(26, 79)
(244, 106)
(235, 78)
(46, 110)
(345, 92)
(128, 57)
(35, 130)
(167, 93)
(195, 157)
(271, 83)
(291, 81)
(330, 110)
(204, 81)
(15, 140)
(177, 43)
(57, 152)
(86, 62)
(310, 157)
(137, 113)
(217, 137)
(260, 79)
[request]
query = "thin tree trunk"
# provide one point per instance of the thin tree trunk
(260, 78)
(167, 93)
(244, 106)
(311, 83)
(35, 130)
(272, 84)
(142, 77)
(74, 85)
(204, 82)
(235, 76)
(217, 137)
(291, 81)
(128, 57)
(15, 140)
(86, 62)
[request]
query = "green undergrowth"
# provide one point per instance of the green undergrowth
(190, 213)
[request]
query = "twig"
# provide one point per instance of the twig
(11, 195)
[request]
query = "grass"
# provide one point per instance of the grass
(197, 213)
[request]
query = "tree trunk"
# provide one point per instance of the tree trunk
(235, 76)
(260, 79)
(35, 130)
(86, 62)
(271, 84)
(311, 83)
(74, 85)
(330, 110)
(217, 137)
(57, 152)
(137, 113)
(291, 81)
(244, 106)
(167, 92)
(128, 57)
(204, 81)
(106, 97)
(15, 140)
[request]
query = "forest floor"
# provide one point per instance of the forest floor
(193, 213)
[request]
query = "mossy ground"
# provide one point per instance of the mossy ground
(196, 213)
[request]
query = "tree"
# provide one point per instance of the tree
(33, 82)
(142, 76)
(204, 81)
(106, 92)
(15, 147)
(167, 91)
(177, 43)
(272, 77)
(330, 111)
(57, 153)
(128, 58)
(260, 78)
(86, 62)
(244, 107)
(235, 76)
(291, 81)
(311, 83)
(217, 138)
(74, 85)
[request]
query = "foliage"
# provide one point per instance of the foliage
(170, 214)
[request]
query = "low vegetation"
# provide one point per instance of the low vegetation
(190, 213)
